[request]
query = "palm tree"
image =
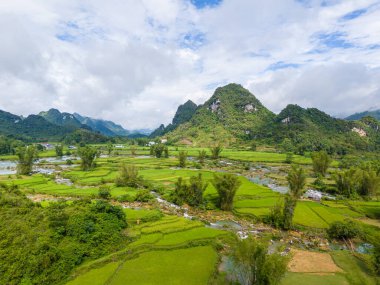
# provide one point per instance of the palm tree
(297, 180)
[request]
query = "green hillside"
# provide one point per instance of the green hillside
(184, 114)
(231, 114)
(235, 116)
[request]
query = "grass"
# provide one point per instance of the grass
(142, 215)
(194, 267)
(190, 235)
(357, 272)
(98, 276)
(313, 279)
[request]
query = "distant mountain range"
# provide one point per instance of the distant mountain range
(54, 125)
(357, 116)
(233, 116)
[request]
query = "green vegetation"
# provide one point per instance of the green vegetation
(87, 155)
(42, 245)
(226, 185)
(253, 264)
(321, 162)
(192, 193)
(182, 158)
(26, 157)
(297, 180)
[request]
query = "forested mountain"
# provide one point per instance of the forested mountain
(358, 116)
(106, 128)
(231, 114)
(38, 128)
(61, 119)
(234, 115)
(33, 127)
(183, 115)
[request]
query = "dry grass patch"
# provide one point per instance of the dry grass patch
(312, 262)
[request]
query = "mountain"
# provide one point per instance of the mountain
(235, 116)
(358, 116)
(106, 128)
(231, 114)
(33, 127)
(61, 119)
(183, 115)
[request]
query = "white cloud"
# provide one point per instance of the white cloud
(135, 61)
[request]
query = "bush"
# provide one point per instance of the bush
(216, 151)
(202, 156)
(143, 196)
(104, 192)
(343, 230)
(191, 193)
(128, 176)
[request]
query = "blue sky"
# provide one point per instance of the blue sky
(135, 61)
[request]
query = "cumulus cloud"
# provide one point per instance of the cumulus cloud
(135, 61)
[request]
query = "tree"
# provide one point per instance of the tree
(202, 156)
(287, 145)
(26, 157)
(104, 192)
(59, 150)
(87, 155)
(191, 193)
(289, 158)
(109, 148)
(182, 157)
(321, 162)
(133, 149)
(128, 176)
(166, 152)
(347, 182)
(343, 230)
(216, 151)
(253, 146)
(253, 265)
(226, 185)
(369, 183)
(157, 150)
(297, 180)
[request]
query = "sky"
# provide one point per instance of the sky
(135, 61)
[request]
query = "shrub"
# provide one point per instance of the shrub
(202, 156)
(128, 176)
(191, 193)
(216, 151)
(104, 192)
(143, 196)
(343, 230)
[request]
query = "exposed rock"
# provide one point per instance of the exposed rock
(249, 108)
(360, 132)
(286, 120)
(215, 106)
